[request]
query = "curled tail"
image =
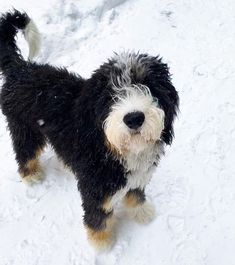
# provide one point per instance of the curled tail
(10, 23)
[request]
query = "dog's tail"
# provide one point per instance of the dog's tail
(10, 23)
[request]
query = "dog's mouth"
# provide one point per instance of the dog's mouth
(135, 132)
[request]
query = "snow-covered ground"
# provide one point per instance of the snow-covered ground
(194, 187)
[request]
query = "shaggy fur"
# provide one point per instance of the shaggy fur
(45, 103)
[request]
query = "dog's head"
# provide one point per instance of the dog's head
(142, 102)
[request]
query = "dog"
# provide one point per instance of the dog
(110, 129)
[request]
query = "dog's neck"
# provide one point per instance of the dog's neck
(144, 160)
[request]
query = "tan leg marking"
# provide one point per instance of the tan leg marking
(113, 149)
(141, 211)
(130, 200)
(102, 239)
(107, 205)
(32, 171)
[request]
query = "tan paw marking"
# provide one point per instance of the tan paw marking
(32, 172)
(102, 240)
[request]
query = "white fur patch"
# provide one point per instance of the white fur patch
(143, 161)
(33, 37)
(140, 169)
(41, 122)
(126, 62)
(138, 180)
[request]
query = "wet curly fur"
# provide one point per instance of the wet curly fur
(43, 103)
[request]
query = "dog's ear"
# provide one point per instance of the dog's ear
(158, 80)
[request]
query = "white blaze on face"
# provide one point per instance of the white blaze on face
(131, 99)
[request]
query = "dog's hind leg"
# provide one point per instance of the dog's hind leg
(28, 145)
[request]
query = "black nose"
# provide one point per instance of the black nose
(134, 119)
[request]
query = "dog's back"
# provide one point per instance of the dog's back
(31, 91)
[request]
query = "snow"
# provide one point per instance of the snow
(194, 187)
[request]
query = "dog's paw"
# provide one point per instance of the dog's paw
(102, 241)
(143, 214)
(34, 178)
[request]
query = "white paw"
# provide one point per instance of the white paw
(34, 178)
(144, 213)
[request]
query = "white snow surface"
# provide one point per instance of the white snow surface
(194, 187)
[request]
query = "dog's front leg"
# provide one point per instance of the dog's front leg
(100, 227)
(138, 207)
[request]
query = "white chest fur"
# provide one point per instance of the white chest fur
(139, 170)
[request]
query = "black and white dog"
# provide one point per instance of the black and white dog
(110, 129)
